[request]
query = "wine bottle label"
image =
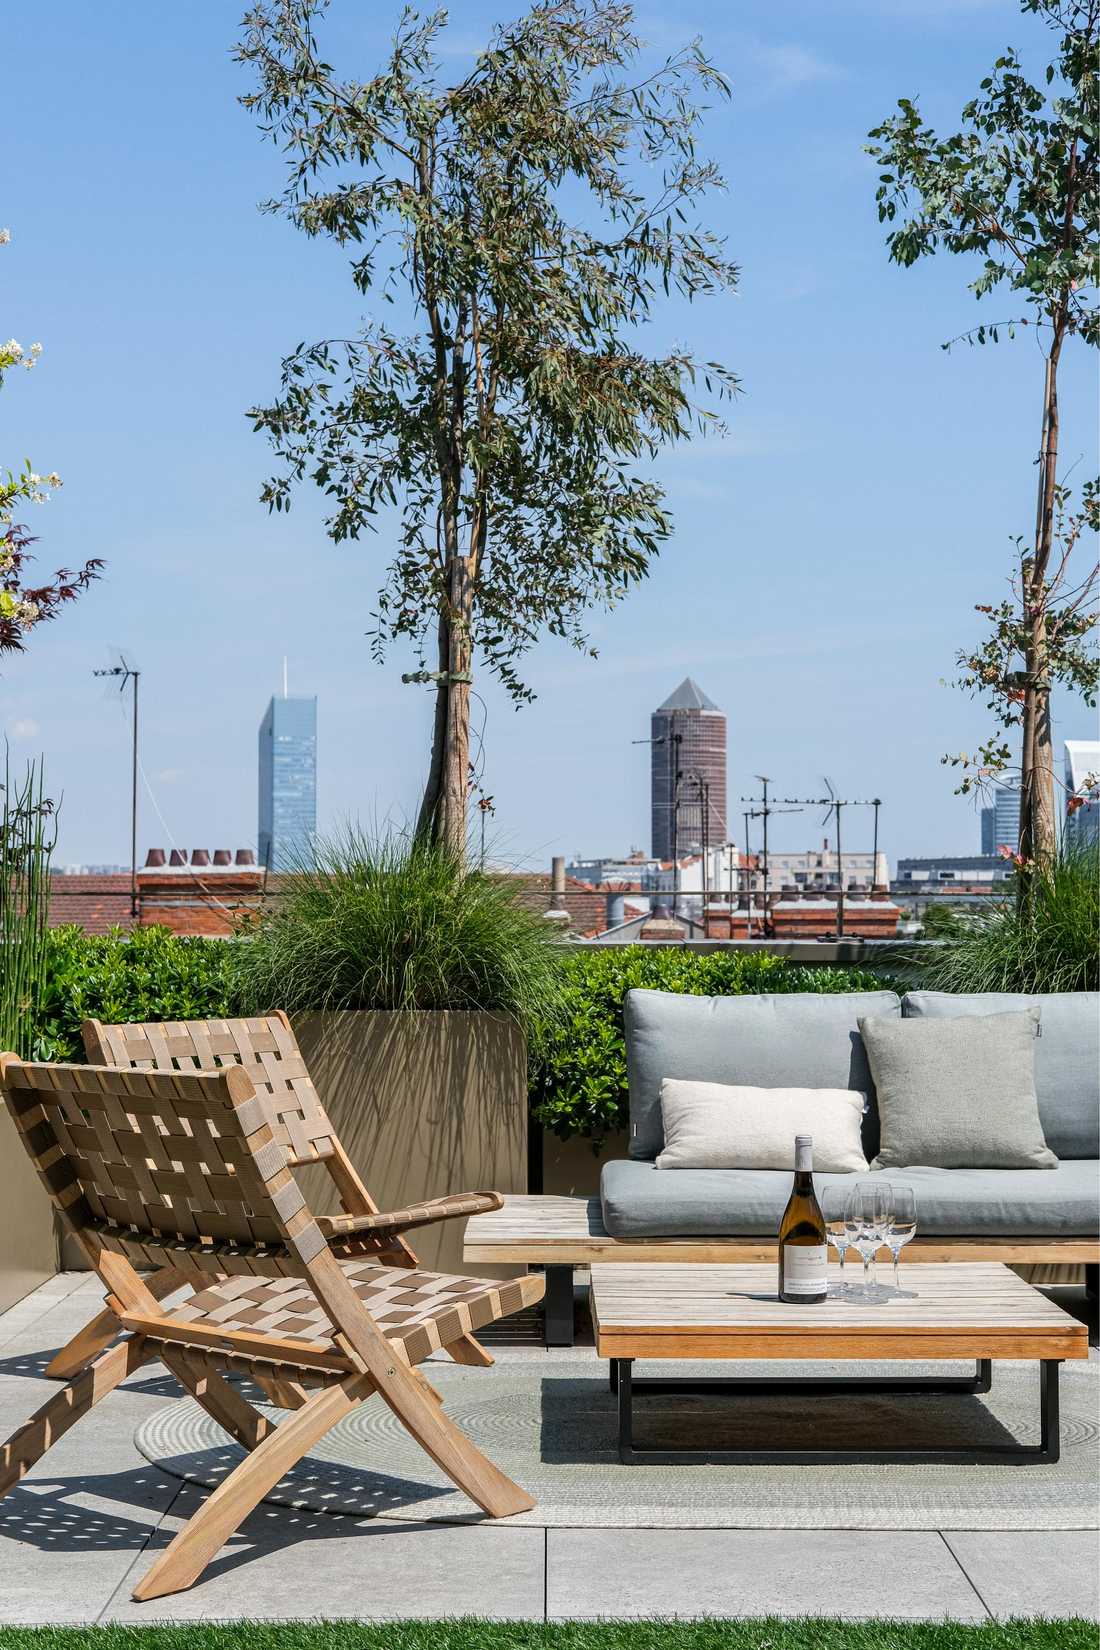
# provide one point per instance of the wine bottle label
(805, 1269)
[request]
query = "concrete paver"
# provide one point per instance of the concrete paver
(1032, 1572)
(853, 1573)
(76, 1534)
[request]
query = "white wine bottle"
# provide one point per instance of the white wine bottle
(803, 1249)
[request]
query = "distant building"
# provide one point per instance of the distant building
(951, 870)
(989, 833)
(1006, 818)
(818, 869)
(205, 892)
(687, 774)
(1082, 824)
(288, 782)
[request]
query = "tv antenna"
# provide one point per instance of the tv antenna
(128, 673)
(833, 806)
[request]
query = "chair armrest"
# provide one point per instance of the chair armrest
(417, 1214)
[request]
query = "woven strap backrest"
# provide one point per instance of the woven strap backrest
(186, 1154)
(264, 1046)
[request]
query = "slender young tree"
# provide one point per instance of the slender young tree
(507, 422)
(1018, 188)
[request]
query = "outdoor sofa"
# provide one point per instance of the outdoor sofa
(1028, 1217)
(813, 1041)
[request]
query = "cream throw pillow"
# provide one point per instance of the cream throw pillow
(717, 1126)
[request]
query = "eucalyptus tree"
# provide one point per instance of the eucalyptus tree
(1018, 189)
(524, 220)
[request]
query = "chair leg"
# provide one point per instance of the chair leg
(467, 1350)
(181, 1564)
(28, 1445)
(283, 1394)
(220, 1400)
(450, 1449)
(104, 1328)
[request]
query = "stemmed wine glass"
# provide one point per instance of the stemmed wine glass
(867, 1217)
(903, 1224)
(836, 1230)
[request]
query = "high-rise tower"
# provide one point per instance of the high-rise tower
(688, 774)
(288, 782)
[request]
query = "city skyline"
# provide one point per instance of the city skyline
(823, 618)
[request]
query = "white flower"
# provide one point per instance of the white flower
(54, 480)
(26, 614)
(5, 236)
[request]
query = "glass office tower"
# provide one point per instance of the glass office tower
(288, 783)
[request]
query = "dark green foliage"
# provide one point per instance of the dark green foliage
(578, 1065)
(1049, 941)
(397, 923)
(797, 1633)
(150, 974)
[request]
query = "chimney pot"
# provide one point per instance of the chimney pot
(200, 856)
(222, 856)
(154, 858)
(245, 856)
(177, 857)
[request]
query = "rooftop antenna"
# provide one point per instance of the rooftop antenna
(128, 673)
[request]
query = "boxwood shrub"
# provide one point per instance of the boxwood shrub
(578, 1055)
(150, 974)
(578, 1063)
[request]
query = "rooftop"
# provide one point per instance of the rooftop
(688, 696)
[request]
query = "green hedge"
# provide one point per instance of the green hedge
(578, 1060)
(578, 1065)
(150, 974)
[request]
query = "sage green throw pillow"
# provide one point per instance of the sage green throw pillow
(957, 1094)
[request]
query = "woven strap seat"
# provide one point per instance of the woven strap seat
(424, 1311)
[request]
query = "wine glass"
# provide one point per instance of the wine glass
(867, 1215)
(903, 1224)
(834, 1206)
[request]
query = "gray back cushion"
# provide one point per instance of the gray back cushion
(1067, 1055)
(804, 1040)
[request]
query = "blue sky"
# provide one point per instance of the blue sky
(827, 554)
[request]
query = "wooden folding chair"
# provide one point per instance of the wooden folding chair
(188, 1165)
(266, 1047)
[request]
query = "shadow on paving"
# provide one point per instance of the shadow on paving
(579, 1422)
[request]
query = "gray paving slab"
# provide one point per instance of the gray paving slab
(1032, 1572)
(287, 1564)
(851, 1573)
(83, 1526)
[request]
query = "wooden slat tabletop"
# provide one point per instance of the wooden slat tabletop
(956, 1310)
(569, 1231)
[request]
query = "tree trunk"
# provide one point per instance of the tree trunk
(1038, 821)
(429, 818)
(456, 754)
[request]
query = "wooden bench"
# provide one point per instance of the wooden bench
(560, 1233)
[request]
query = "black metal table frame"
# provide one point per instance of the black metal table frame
(624, 1383)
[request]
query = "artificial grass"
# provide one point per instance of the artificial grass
(766, 1633)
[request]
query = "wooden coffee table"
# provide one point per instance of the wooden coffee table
(719, 1311)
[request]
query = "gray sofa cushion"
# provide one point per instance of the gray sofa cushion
(1067, 1056)
(801, 1041)
(639, 1200)
(957, 1093)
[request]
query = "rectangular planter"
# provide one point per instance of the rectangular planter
(425, 1103)
(28, 1247)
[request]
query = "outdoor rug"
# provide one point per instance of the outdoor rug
(551, 1425)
